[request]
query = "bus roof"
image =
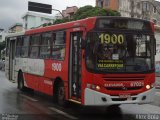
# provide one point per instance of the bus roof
(119, 17)
(89, 23)
(62, 26)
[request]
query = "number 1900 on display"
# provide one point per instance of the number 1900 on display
(114, 39)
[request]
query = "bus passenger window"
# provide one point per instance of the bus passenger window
(59, 42)
(24, 52)
(34, 48)
(19, 47)
(45, 48)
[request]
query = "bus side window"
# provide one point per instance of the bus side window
(24, 52)
(45, 47)
(34, 46)
(19, 47)
(59, 44)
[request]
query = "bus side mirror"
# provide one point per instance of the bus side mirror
(83, 44)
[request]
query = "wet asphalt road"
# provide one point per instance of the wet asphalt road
(16, 105)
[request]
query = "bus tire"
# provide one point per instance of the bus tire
(21, 82)
(61, 95)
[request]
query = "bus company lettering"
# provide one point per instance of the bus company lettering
(110, 61)
(114, 85)
(56, 66)
(110, 65)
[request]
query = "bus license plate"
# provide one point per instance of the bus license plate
(127, 96)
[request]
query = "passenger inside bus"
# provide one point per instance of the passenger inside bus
(104, 52)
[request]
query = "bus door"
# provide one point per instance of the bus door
(75, 68)
(12, 59)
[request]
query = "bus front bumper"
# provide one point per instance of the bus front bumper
(94, 98)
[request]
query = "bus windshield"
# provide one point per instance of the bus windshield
(120, 51)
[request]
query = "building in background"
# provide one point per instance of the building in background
(144, 9)
(2, 35)
(69, 11)
(156, 12)
(18, 27)
(108, 4)
(127, 8)
(33, 20)
(58, 16)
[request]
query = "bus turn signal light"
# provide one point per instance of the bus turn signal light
(98, 88)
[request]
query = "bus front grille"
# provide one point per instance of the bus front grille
(122, 99)
(123, 88)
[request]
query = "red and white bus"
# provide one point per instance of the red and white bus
(97, 61)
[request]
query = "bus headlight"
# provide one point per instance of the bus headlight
(98, 88)
(148, 87)
(94, 87)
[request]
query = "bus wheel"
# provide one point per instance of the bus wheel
(61, 94)
(21, 82)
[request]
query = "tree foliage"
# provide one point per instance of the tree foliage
(89, 11)
(57, 21)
